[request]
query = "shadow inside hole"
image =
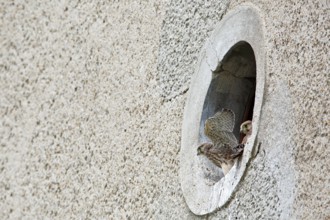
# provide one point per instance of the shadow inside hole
(232, 87)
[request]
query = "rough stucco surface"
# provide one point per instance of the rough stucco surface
(84, 132)
(185, 28)
(91, 103)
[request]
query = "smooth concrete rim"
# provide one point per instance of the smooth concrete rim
(241, 24)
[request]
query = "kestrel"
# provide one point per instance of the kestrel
(246, 128)
(225, 148)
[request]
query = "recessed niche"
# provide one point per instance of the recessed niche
(230, 74)
(232, 87)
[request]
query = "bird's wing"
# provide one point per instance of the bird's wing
(237, 150)
(220, 127)
(227, 138)
(223, 120)
(224, 153)
(228, 152)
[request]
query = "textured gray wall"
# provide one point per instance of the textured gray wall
(91, 103)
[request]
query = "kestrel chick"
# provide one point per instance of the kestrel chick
(225, 148)
(246, 128)
(223, 157)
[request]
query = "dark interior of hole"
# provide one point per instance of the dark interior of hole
(232, 87)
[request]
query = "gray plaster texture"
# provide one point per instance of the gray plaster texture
(84, 131)
(91, 105)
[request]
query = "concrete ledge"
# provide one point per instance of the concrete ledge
(202, 195)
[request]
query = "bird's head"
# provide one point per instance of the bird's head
(203, 148)
(246, 127)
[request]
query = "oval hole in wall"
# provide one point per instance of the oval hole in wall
(232, 87)
(230, 73)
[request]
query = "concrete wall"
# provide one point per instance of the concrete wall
(92, 97)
